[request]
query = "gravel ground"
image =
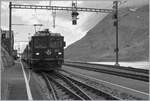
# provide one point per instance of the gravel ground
(61, 95)
(41, 86)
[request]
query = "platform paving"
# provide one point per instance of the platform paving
(13, 83)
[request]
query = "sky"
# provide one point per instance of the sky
(63, 20)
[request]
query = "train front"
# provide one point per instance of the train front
(47, 51)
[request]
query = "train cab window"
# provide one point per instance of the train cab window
(64, 44)
(60, 43)
(55, 44)
(40, 43)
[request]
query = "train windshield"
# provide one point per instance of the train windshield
(40, 42)
(55, 43)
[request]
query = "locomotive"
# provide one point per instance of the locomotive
(45, 51)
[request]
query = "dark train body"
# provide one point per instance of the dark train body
(45, 51)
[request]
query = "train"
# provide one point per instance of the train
(45, 51)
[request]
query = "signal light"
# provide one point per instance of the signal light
(115, 4)
(115, 16)
(115, 23)
(75, 14)
(74, 22)
(115, 13)
(74, 17)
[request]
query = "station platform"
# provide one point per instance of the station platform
(13, 83)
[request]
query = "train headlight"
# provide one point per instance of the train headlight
(59, 53)
(37, 53)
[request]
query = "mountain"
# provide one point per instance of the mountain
(99, 43)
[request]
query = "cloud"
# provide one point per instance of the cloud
(26, 15)
(4, 5)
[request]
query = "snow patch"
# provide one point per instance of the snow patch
(132, 9)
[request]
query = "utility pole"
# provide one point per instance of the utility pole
(10, 21)
(115, 16)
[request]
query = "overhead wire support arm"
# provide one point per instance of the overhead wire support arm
(17, 6)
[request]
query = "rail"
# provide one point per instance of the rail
(76, 88)
(119, 91)
(50, 87)
(66, 89)
(114, 70)
(102, 94)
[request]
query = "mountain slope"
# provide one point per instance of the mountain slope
(99, 42)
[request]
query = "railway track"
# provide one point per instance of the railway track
(118, 91)
(50, 87)
(61, 91)
(113, 70)
(63, 87)
(91, 92)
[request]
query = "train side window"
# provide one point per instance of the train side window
(40, 42)
(64, 43)
(60, 43)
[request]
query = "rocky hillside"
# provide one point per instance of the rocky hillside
(99, 43)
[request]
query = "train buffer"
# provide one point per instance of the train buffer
(16, 86)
